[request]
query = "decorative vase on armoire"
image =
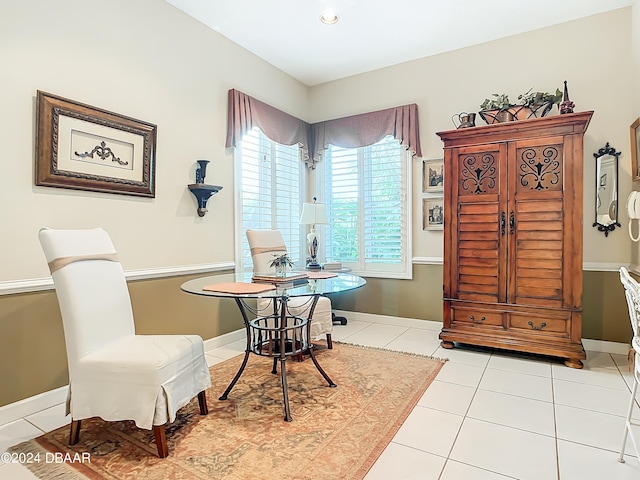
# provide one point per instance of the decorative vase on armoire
(513, 236)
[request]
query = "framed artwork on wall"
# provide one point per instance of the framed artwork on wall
(433, 213)
(635, 149)
(86, 148)
(433, 175)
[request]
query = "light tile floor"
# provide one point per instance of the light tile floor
(489, 415)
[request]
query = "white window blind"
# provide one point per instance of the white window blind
(271, 185)
(365, 190)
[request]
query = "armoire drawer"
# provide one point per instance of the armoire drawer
(535, 324)
(474, 316)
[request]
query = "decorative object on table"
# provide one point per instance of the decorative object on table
(239, 288)
(635, 150)
(530, 105)
(287, 279)
(567, 105)
(82, 147)
(606, 204)
(332, 266)
(329, 415)
(433, 175)
(433, 213)
(201, 190)
(464, 120)
(313, 214)
(281, 263)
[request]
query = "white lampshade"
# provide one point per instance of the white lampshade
(313, 213)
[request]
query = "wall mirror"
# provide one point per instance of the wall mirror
(606, 189)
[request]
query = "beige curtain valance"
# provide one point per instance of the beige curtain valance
(245, 112)
(368, 128)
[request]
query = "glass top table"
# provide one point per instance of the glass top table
(342, 282)
(278, 334)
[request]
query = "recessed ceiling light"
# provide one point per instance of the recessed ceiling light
(329, 18)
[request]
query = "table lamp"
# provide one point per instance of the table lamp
(312, 214)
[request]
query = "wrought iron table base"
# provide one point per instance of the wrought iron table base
(279, 336)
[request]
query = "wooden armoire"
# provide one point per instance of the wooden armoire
(513, 218)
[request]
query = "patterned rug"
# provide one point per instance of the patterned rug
(336, 433)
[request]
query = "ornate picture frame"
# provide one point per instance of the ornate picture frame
(635, 150)
(86, 148)
(433, 175)
(433, 213)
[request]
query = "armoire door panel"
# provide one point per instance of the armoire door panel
(478, 172)
(539, 165)
(477, 258)
(537, 259)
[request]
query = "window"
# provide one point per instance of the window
(270, 192)
(365, 190)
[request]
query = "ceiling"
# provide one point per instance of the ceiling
(372, 34)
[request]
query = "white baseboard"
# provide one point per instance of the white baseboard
(221, 340)
(29, 406)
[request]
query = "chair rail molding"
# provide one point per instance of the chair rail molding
(11, 287)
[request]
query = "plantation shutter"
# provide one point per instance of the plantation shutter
(365, 190)
(271, 191)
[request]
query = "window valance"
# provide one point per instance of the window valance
(245, 112)
(368, 128)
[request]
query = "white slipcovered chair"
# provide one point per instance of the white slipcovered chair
(115, 374)
(632, 292)
(267, 244)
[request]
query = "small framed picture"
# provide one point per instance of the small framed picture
(433, 213)
(433, 176)
(635, 150)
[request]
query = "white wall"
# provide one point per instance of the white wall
(592, 54)
(147, 60)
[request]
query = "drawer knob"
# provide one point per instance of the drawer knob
(542, 325)
(473, 319)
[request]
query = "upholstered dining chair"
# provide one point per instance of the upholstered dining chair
(115, 374)
(264, 246)
(632, 293)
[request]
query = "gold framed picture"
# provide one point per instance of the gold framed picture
(86, 148)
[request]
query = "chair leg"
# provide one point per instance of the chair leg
(202, 402)
(627, 422)
(161, 440)
(329, 341)
(74, 432)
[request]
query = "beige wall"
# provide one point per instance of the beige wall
(148, 60)
(598, 71)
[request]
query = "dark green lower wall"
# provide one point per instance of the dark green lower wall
(32, 350)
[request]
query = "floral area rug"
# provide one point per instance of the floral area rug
(336, 433)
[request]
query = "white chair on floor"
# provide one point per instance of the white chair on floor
(265, 245)
(115, 374)
(632, 292)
